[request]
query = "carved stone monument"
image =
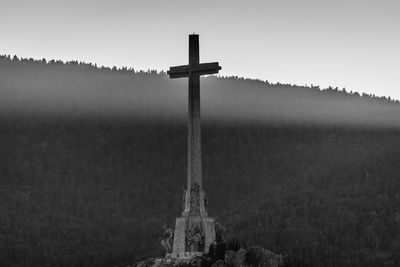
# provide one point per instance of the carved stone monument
(194, 230)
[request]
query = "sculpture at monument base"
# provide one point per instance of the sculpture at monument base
(167, 239)
(253, 256)
(194, 230)
(193, 236)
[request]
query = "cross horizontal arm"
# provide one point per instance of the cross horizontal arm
(198, 69)
(179, 71)
(206, 68)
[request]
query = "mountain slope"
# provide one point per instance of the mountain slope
(79, 90)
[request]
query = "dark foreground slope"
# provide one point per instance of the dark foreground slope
(88, 189)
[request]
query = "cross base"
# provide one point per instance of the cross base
(193, 236)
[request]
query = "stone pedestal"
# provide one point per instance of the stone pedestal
(182, 245)
(194, 230)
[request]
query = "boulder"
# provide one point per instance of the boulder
(219, 263)
(230, 257)
(146, 263)
(255, 255)
(258, 256)
(196, 262)
(274, 260)
(240, 258)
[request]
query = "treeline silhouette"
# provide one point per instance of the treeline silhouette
(76, 89)
(86, 190)
(80, 65)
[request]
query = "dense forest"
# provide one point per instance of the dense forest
(93, 163)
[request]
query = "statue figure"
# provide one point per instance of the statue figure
(195, 199)
(167, 239)
(194, 238)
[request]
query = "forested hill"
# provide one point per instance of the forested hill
(81, 90)
(93, 162)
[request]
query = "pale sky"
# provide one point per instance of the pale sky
(352, 44)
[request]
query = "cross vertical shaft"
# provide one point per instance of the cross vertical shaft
(194, 132)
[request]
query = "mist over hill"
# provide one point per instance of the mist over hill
(84, 90)
(93, 162)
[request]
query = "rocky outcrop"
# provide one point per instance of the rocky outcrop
(254, 256)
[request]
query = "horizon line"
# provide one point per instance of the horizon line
(161, 71)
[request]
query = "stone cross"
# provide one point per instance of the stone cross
(193, 72)
(194, 231)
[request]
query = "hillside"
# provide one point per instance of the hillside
(84, 90)
(93, 162)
